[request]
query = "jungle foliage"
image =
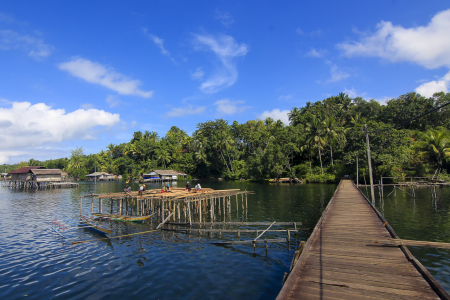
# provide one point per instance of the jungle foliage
(321, 143)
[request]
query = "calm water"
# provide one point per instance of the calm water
(421, 218)
(35, 262)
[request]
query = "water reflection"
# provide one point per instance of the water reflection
(423, 217)
(36, 262)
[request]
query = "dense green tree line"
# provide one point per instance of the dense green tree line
(320, 144)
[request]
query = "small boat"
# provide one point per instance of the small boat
(285, 180)
(122, 218)
(88, 224)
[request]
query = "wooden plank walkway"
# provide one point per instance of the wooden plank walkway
(337, 264)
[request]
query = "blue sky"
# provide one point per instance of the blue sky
(90, 73)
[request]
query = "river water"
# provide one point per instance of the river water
(37, 263)
(425, 217)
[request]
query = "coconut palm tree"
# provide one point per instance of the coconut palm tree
(334, 134)
(316, 133)
(293, 115)
(434, 145)
(164, 157)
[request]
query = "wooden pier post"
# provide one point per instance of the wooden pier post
(199, 210)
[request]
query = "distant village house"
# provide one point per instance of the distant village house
(36, 174)
(163, 175)
(102, 176)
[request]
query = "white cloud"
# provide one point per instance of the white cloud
(113, 101)
(25, 127)
(158, 42)
(351, 93)
(428, 46)
(198, 74)
(429, 88)
(284, 97)
(226, 49)
(95, 73)
(6, 18)
(311, 33)
(188, 110)
(276, 114)
(384, 100)
(87, 106)
(224, 18)
(337, 74)
(35, 47)
(316, 53)
(225, 106)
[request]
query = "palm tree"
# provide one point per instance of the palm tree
(316, 132)
(334, 133)
(200, 153)
(435, 145)
(164, 157)
(293, 114)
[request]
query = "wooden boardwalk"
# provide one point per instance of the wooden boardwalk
(337, 264)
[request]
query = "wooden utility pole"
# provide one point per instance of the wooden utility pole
(357, 172)
(372, 192)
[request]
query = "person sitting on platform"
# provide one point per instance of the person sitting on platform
(198, 187)
(141, 189)
(188, 187)
(167, 188)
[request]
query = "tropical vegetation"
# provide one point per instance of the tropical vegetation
(321, 143)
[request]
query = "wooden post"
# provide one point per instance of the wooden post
(357, 171)
(120, 206)
(246, 203)
(173, 209)
(162, 210)
(382, 190)
(372, 192)
(92, 204)
(200, 210)
(237, 206)
(101, 206)
(127, 206)
(81, 205)
(110, 211)
(189, 212)
(211, 199)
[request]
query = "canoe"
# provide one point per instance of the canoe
(285, 180)
(86, 223)
(122, 218)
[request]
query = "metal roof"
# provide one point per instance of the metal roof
(25, 170)
(165, 172)
(46, 171)
(98, 174)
